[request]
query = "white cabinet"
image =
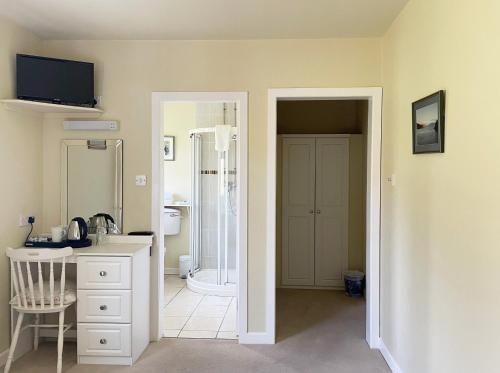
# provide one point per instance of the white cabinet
(113, 307)
(314, 210)
(105, 340)
(104, 272)
(104, 306)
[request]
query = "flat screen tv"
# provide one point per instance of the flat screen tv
(53, 80)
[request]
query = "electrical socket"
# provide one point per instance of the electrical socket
(24, 220)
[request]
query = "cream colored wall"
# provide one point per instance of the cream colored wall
(441, 222)
(180, 118)
(128, 71)
(357, 207)
(20, 162)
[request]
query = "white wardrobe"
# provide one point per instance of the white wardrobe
(315, 195)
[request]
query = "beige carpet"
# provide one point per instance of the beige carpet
(317, 330)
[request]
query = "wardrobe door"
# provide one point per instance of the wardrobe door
(332, 178)
(298, 211)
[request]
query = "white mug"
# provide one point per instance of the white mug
(57, 233)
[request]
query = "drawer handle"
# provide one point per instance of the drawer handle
(103, 341)
(102, 273)
(103, 307)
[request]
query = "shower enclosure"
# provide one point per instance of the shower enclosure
(213, 214)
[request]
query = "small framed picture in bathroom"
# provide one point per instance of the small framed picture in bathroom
(169, 148)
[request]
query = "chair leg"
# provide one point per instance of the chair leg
(37, 332)
(13, 344)
(60, 341)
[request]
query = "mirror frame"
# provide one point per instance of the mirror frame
(118, 203)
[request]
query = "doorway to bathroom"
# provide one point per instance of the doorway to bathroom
(201, 213)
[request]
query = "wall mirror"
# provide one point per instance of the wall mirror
(92, 179)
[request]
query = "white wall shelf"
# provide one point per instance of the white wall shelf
(46, 108)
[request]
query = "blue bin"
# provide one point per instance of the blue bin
(354, 282)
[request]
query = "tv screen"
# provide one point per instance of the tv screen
(53, 80)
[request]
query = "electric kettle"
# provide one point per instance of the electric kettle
(103, 220)
(77, 230)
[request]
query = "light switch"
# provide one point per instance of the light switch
(140, 180)
(392, 179)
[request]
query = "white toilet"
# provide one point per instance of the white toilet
(171, 221)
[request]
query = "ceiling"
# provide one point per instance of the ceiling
(202, 19)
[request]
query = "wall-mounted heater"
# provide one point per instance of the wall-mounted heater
(91, 125)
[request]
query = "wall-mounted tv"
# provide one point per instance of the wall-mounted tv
(53, 80)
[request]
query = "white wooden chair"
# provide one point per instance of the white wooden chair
(35, 298)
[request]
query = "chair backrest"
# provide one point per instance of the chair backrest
(18, 257)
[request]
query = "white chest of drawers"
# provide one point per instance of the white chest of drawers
(113, 304)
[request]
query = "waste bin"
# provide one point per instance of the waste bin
(184, 265)
(354, 283)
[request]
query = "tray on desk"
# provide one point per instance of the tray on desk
(59, 245)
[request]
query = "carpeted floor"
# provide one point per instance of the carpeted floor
(317, 331)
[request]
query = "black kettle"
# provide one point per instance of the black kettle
(101, 220)
(77, 230)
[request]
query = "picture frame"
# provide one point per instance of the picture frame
(169, 148)
(428, 117)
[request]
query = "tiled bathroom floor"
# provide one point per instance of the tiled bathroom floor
(191, 315)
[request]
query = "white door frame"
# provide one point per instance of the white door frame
(374, 137)
(157, 195)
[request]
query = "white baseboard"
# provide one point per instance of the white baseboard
(171, 271)
(3, 357)
(393, 365)
(256, 338)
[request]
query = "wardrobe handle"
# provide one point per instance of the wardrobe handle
(311, 211)
(318, 211)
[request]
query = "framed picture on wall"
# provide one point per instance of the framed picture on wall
(169, 148)
(428, 124)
